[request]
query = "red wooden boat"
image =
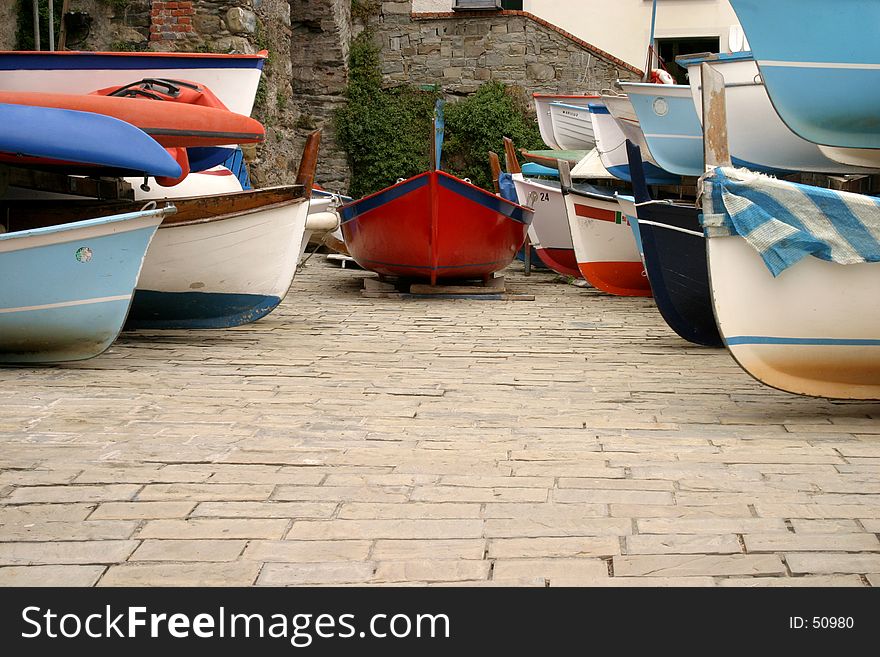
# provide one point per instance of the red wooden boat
(434, 226)
(178, 125)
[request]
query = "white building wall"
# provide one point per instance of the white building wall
(622, 27)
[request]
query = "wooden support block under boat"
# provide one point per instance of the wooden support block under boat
(494, 289)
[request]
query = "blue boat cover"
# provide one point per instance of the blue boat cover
(439, 129)
(535, 169)
(506, 187)
(786, 222)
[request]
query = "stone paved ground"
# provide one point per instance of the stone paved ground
(573, 440)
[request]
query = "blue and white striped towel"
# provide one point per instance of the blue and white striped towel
(786, 222)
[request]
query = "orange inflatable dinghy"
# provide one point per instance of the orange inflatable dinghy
(173, 125)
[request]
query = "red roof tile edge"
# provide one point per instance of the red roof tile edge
(428, 15)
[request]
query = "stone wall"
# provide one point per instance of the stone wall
(8, 18)
(321, 31)
(461, 50)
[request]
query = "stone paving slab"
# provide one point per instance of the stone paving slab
(573, 440)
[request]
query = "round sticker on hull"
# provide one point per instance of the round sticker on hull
(661, 107)
(83, 254)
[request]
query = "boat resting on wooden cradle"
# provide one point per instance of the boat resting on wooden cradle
(434, 226)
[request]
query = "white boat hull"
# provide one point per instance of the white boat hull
(235, 87)
(756, 133)
(572, 127)
(549, 232)
(604, 245)
(220, 273)
(542, 109)
(813, 330)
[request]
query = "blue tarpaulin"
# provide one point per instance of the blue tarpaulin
(786, 222)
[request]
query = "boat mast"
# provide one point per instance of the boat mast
(649, 61)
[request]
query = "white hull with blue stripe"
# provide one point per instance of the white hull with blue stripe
(67, 289)
(673, 130)
(220, 272)
(814, 330)
(794, 273)
(611, 146)
(622, 110)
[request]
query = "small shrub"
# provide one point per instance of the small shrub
(385, 132)
(479, 123)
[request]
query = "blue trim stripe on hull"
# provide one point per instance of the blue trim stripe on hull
(822, 342)
(89, 62)
(487, 200)
(377, 200)
(654, 175)
(186, 310)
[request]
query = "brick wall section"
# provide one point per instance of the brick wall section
(170, 21)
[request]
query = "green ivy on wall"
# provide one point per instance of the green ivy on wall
(386, 133)
(479, 123)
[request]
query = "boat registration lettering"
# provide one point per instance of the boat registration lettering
(83, 254)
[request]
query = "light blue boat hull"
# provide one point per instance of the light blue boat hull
(673, 131)
(67, 289)
(676, 137)
(820, 62)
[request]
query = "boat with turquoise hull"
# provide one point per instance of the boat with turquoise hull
(755, 131)
(67, 288)
(820, 63)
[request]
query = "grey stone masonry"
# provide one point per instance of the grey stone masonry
(461, 50)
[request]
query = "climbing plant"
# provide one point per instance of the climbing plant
(24, 34)
(387, 133)
(478, 124)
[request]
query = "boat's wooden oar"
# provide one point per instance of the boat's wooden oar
(510, 159)
(495, 165)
